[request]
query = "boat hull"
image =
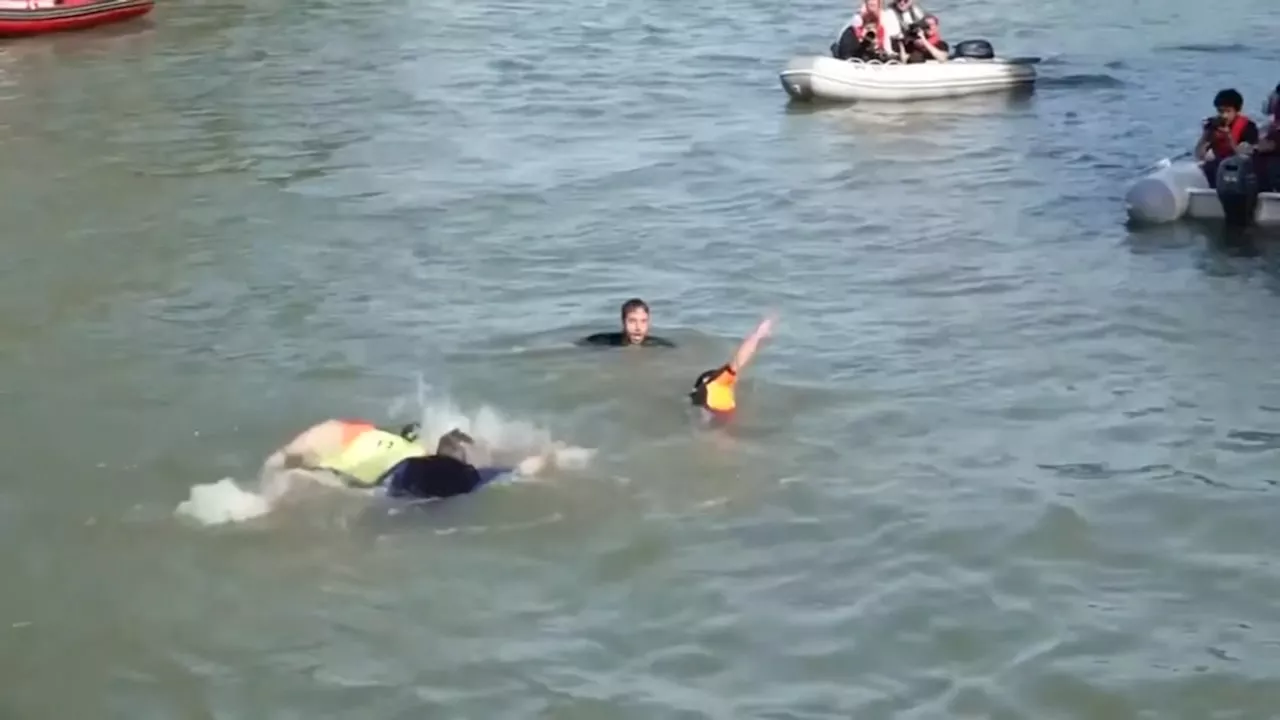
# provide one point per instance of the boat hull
(70, 16)
(825, 78)
(1179, 190)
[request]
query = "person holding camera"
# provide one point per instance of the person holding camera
(922, 41)
(866, 37)
(1228, 133)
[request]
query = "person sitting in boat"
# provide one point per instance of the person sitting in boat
(922, 41)
(1228, 133)
(867, 35)
(907, 13)
(1271, 111)
(1266, 154)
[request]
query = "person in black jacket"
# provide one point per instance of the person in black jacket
(444, 474)
(634, 330)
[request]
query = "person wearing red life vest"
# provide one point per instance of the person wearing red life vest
(1228, 133)
(924, 45)
(868, 34)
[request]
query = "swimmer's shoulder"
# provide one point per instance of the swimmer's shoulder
(654, 341)
(603, 339)
(617, 339)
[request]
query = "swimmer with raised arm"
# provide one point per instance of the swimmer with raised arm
(635, 329)
(714, 390)
(357, 454)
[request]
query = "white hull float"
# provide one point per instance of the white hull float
(826, 78)
(1174, 190)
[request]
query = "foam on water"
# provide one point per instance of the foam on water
(501, 441)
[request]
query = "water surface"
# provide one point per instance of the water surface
(1004, 458)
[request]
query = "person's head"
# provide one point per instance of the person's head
(871, 8)
(1228, 103)
(455, 444)
(902, 5)
(931, 22)
(635, 320)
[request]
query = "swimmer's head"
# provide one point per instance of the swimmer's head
(455, 444)
(635, 320)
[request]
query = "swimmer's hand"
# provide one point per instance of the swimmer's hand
(748, 347)
(765, 328)
(537, 464)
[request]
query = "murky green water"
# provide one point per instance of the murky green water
(1004, 458)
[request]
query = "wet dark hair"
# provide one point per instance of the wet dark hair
(454, 444)
(1229, 98)
(633, 304)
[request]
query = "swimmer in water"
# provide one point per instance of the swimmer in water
(448, 472)
(713, 391)
(635, 329)
(357, 452)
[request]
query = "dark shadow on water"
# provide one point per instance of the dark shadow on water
(1224, 251)
(1081, 81)
(1213, 236)
(1260, 51)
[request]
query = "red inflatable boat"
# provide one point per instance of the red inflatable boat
(36, 17)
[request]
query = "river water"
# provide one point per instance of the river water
(1003, 458)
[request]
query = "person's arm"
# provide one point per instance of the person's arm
(304, 450)
(749, 346)
(1270, 142)
(489, 474)
(1202, 145)
(1248, 138)
(937, 53)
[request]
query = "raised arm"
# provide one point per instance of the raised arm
(749, 346)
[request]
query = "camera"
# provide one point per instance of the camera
(869, 35)
(1217, 122)
(916, 30)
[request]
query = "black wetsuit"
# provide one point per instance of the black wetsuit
(436, 476)
(617, 339)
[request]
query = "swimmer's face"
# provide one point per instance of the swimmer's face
(636, 326)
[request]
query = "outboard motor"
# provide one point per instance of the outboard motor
(974, 50)
(1237, 186)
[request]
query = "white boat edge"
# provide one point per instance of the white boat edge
(820, 77)
(1176, 189)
